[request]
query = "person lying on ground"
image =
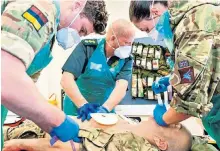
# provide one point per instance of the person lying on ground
(144, 136)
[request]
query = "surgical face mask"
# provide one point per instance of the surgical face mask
(122, 51)
(163, 29)
(153, 34)
(67, 36)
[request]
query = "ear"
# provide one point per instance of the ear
(112, 38)
(155, 11)
(161, 143)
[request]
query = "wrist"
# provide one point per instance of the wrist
(106, 106)
(59, 120)
(58, 124)
(162, 122)
(81, 102)
(48, 122)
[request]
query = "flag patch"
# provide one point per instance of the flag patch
(35, 17)
(183, 64)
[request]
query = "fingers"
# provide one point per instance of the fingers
(88, 117)
(77, 140)
(79, 116)
(83, 118)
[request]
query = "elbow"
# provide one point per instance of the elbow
(66, 79)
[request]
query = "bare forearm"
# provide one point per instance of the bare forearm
(41, 144)
(20, 95)
(71, 89)
(117, 94)
(173, 117)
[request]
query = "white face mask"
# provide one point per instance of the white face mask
(67, 36)
(122, 51)
(153, 33)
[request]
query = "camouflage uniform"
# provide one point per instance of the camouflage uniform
(201, 144)
(196, 30)
(25, 130)
(99, 140)
(196, 75)
(26, 28)
(21, 36)
(93, 139)
(149, 64)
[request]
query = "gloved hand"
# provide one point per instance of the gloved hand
(160, 85)
(68, 130)
(85, 110)
(102, 109)
(158, 114)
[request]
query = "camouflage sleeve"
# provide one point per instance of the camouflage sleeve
(26, 27)
(196, 72)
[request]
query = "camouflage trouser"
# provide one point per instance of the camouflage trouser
(26, 130)
(99, 140)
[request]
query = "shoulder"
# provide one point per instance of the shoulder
(27, 27)
(90, 42)
(87, 46)
(31, 18)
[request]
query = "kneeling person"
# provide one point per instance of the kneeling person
(96, 74)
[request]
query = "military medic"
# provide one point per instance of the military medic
(96, 74)
(28, 32)
(192, 35)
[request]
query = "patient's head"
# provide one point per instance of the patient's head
(172, 138)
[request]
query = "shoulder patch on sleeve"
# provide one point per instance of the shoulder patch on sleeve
(35, 17)
(90, 42)
(187, 75)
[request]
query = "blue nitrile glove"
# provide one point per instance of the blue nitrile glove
(102, 109)
(85, 110)
(160, 85)
(158, 114)
(68, 130)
